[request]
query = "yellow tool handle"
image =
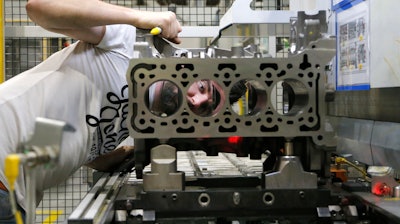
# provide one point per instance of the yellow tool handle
(11, 170)
(156, 31)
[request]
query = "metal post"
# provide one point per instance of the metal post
(30, 194)
(2, 53)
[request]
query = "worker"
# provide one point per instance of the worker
(83, 85)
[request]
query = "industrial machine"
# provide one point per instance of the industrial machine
(261, 151)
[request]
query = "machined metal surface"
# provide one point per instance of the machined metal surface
(306, 69)
(305, 29)
(196, 165)
(46, 141)
(239, 8)
(379, 104)
(164, 174)
(385, 143)
(224, 186)
(290, 175)
(98, 205)
(368, 141)
(225, 202)
(354, 137)
(385, 205)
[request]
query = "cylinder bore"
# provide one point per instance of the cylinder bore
(163, 98)
(289, 97)
(247, 97)
(205, 97)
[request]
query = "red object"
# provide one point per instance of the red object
(381, 189)
(3, 187)
(234, 139)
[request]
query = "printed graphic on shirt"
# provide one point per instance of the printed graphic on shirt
(111, 127)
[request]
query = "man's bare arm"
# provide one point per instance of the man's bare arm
(85, 19)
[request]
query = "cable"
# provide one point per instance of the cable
(343, 160)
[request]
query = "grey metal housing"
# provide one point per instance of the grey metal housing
(306, 72)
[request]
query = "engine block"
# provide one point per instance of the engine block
(304, 73)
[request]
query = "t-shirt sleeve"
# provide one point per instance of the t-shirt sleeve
(120, 39)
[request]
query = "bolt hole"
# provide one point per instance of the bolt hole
(204, 200)
(268, 198)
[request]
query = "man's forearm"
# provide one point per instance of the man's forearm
(71, 14)
(110, 161)
(83, 20)
(74, 17)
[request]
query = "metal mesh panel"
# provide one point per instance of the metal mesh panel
(58, 202)
(23, 53)
(15, 13)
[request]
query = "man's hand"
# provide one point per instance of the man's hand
(167, 21)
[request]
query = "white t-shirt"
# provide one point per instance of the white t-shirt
(83, 85)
